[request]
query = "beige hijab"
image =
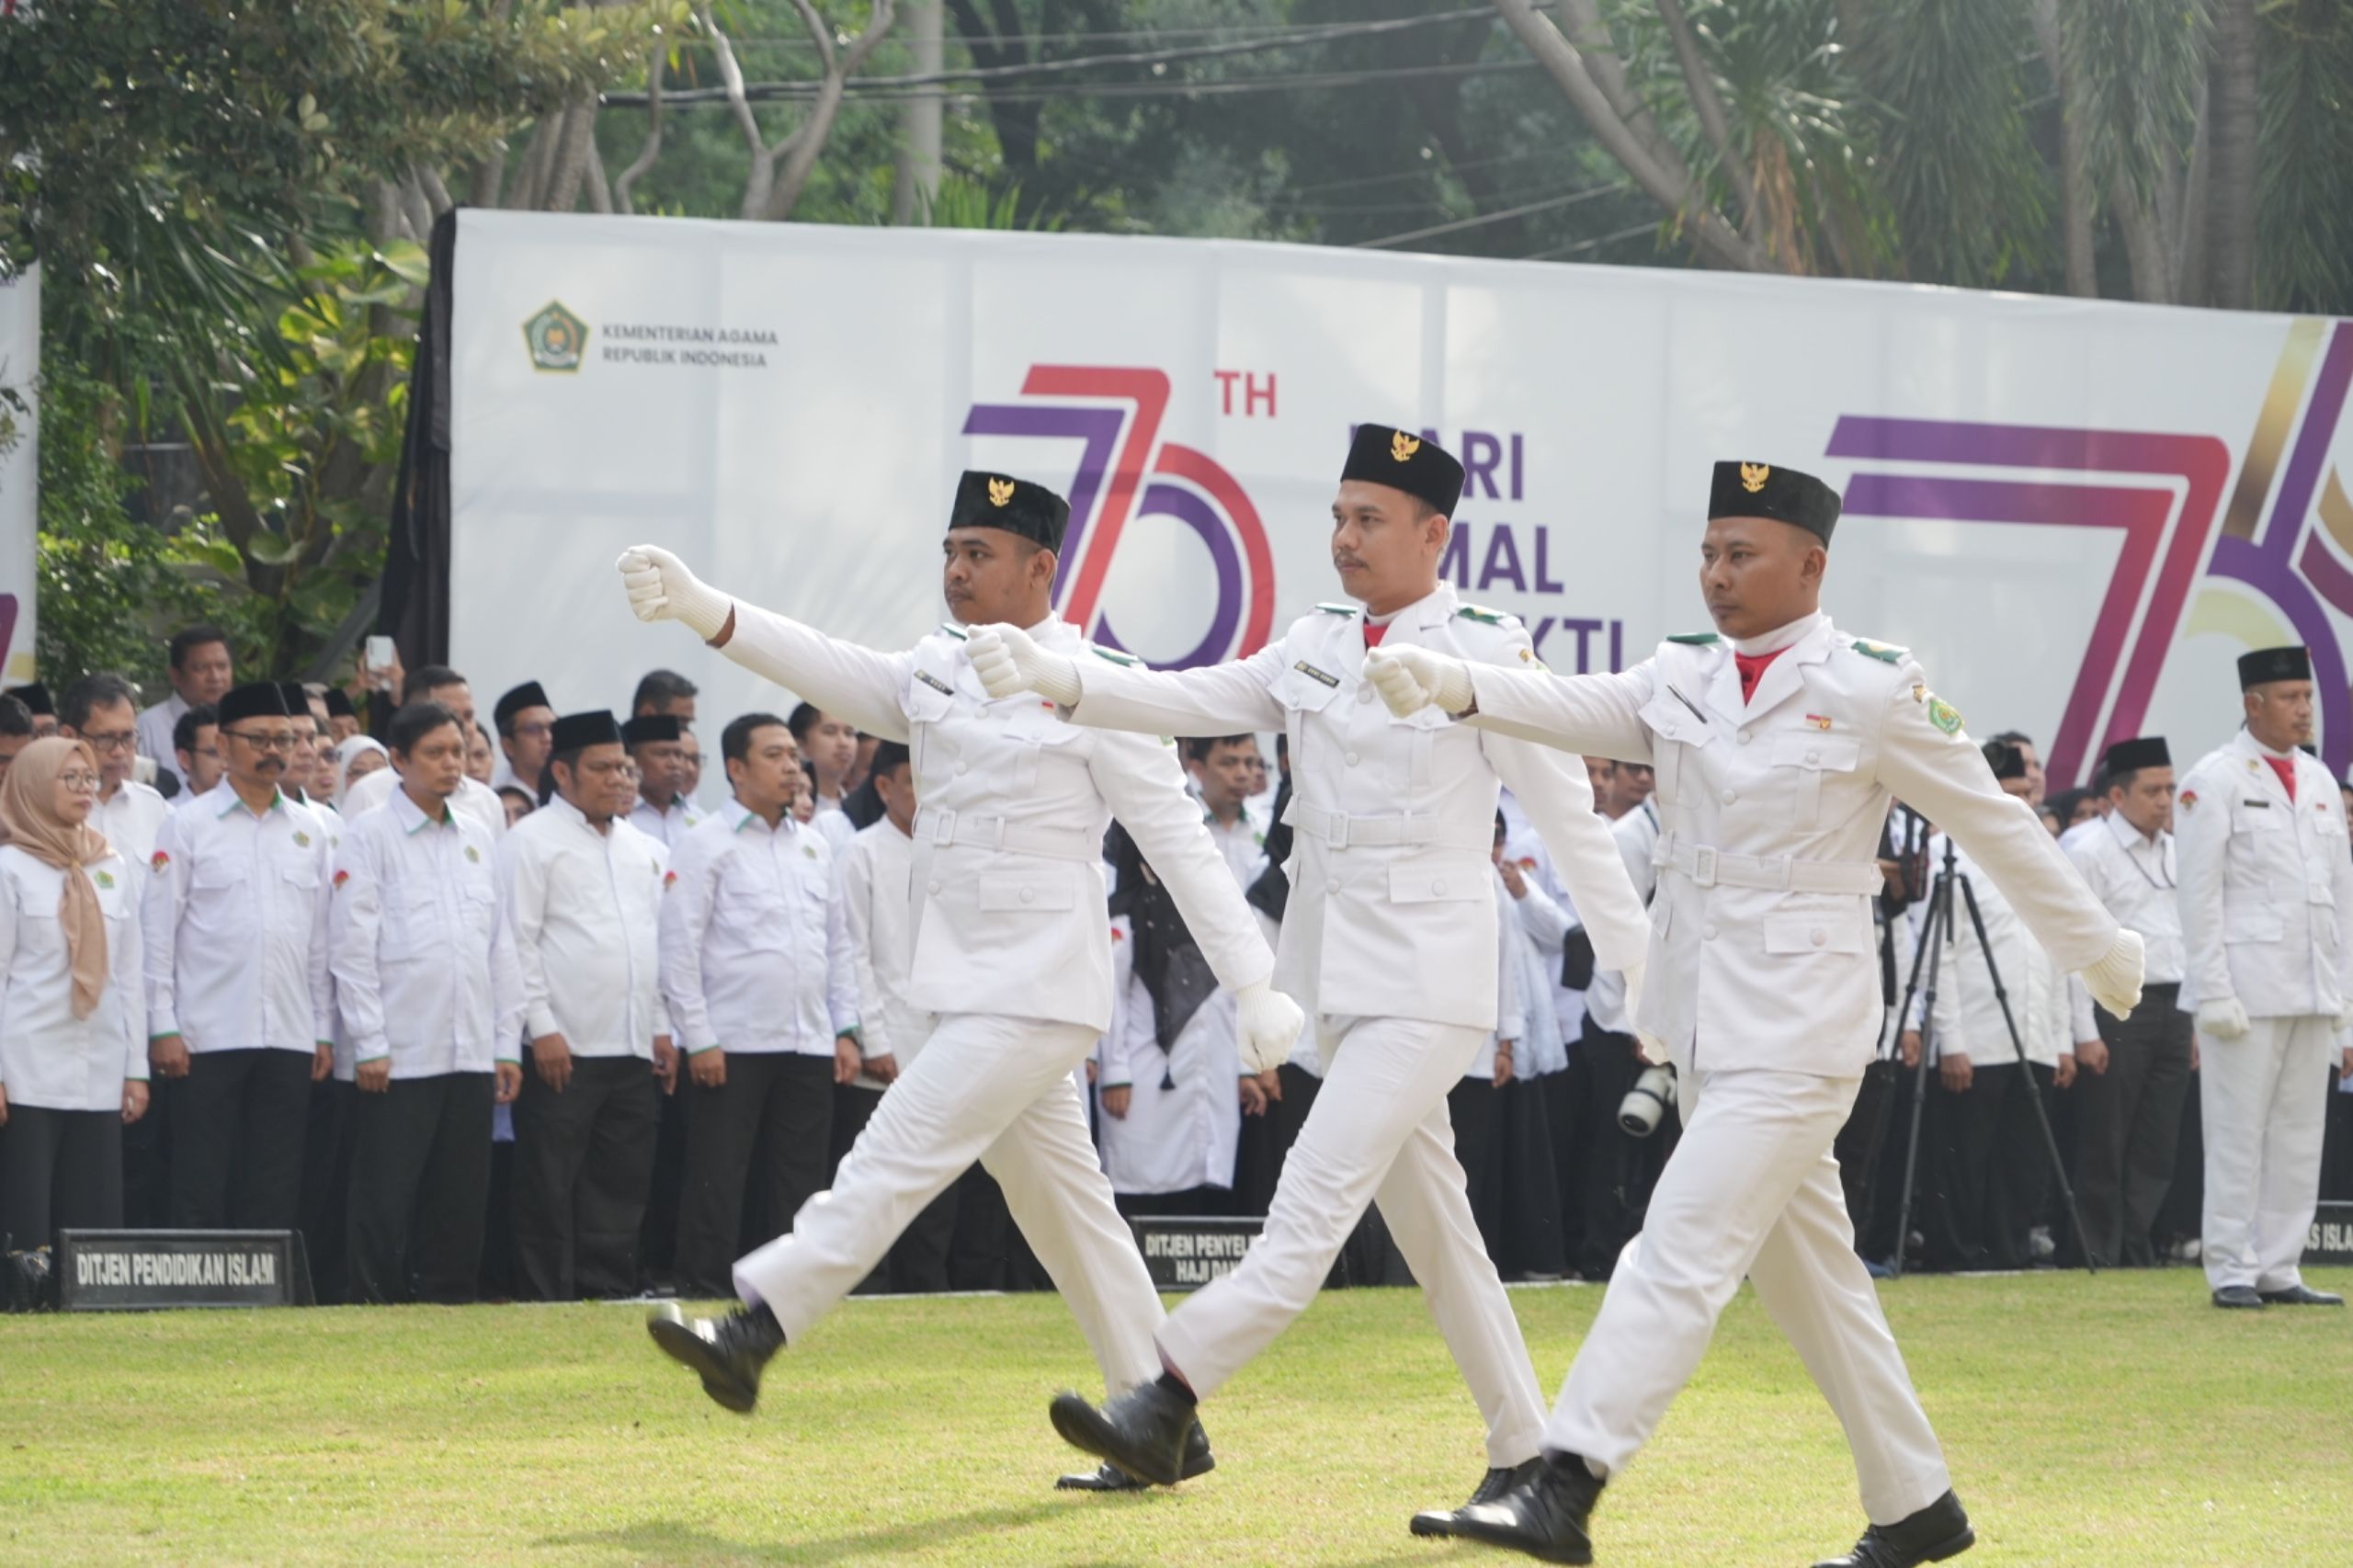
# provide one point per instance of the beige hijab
(28, 807)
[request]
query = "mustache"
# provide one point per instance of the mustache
(1342, 558)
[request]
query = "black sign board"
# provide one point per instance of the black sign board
(1184, 1253)
(2330, 1241)
(144, 1270)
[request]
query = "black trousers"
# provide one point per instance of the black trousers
(1619, 1171)
(147, 1160)
(1190, 1202)
(326, 1191)
(2129, 1129)
(583, 1161)
(1531, 1205)
(1857, 1149)
(59, 1170)
(1992, 1171)
(498, 1224)
(1475, 1107)
(1565, 1094)
(237, 1132)
(420, 1173)
(658, 1234)
(2336, 1146)
(764, 1138)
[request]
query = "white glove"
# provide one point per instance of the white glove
(1008, 660)
(1269, 1025)
(1633, 973)
(1410, 679)
(2115, 981)
(2223, 1018)
(661, 588)
(2345, 1021)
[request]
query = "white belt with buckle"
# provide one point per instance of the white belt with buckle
(1341, 831)
(1708, 867)
(966, 830)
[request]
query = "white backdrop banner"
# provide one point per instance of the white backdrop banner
(19, 471)
(2077, 514)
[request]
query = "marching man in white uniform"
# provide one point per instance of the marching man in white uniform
(1390, 940)
(2267, 921)
(1011, 947)
(1777, 741)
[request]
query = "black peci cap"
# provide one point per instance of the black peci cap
(35, 698)
(530, 694)
(1761, 490)
(648, 728)
(339, 704)
(2131, 756)
(255, 699)
(576, 731)
(1381, 454)
(993, 501)
(2267, 665)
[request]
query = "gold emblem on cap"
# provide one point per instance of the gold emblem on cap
(1000, 491)
(1754, 475)
(1402, 446)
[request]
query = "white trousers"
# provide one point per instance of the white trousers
(2265, 1099)
(1377, 1131)
(1752, 1189)
(999, 1090)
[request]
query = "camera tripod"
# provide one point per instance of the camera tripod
(1926, 958)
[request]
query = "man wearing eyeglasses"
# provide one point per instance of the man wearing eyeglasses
(525, 720)
(235, 922)
(103, 712)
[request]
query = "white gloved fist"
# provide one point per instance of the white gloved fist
(1410, 679)
(2115, 981)
(1009, 661)
(661, 588)
(2223, 1018)
(2345, 1021)
(1633, 973)
(1269, 1024)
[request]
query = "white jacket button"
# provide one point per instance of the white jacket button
(931, 887)
(1745, 737)
(1438, 887)
(1729, 796)
(1352, 760)
(1331, 886)
(1030, 895)
(1818, 937)
(1708, 932)
(1364, 694)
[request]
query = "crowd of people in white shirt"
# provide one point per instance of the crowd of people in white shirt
(547, 1006)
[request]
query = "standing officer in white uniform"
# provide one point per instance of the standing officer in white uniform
(235, 921)
(1011, 947)
(2267, 918)
(758, 970)
(432, 1004)
(2129, 1112)
(1390, 940)
(1777, 742)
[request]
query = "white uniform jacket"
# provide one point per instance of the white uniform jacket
(1763, 951)
(1007, 881)
(585, 909)
(1391, 912)
(49, 1057)
(755, 947)
(2267, 885)
(233, 922)
(423, 954)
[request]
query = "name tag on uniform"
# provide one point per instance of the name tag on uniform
(1312, 673)
(2258, 805)
(934, 682)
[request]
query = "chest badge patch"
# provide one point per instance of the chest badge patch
(341, 878)
(936, 684)
(301, 839)
(104, 879)
(474, 855)
(1819, 721)
(808, 852)
(159, 861)
(1312, 673)
(2189, 799)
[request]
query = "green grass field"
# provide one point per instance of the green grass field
(2118, 1421)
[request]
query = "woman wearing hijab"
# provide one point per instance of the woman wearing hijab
(73, 1035)
(356, 759)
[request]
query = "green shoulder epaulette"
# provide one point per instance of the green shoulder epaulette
(955, 631)
(1481, 614)
(1880, 650)
(1337, 609)
(1696, 638)
(1103, 653)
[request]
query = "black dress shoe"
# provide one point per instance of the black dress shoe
(1143, 1432)
(1544, 1516)
(728, 1351)
(1109, 1477)
(1446, 1521)
(2301, 1296)
(1936, 1532)
(2237, 1296)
